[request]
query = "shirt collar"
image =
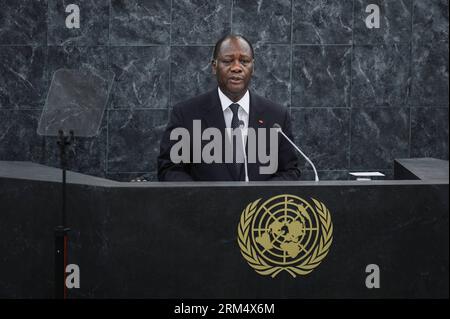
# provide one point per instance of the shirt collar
(244, 102)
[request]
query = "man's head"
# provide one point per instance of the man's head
(233, 65)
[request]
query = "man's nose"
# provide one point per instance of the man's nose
(236, 66)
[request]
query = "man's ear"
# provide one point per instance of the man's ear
(213, 66)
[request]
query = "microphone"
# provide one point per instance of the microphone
(242, 126)
(278, 127)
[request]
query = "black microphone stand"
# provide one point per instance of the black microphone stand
(61, 231)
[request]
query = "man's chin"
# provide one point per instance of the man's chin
(236, 90)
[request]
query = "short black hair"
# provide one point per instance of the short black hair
(230, 36)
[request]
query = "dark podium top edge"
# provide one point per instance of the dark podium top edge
(411, 171)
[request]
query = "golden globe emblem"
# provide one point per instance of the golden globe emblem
(286, 233)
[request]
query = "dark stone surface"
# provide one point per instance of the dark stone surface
(271, 78)
(324, 136)
(200, 22)
(88, 156)
(395, 22)
(322, 22)
(312, 53)
(263, 21)
(76, 57)
(141, 77)
(94, 23)
(23, 80)
(429, 82)
(191, 72)
(430, 21)
(380, 75)
(332, 175)
(18, 138)
(378, 136)
(158, 241)
(23, 22)
(321, 76)
(139, 22)
(429, 132)
(423, 168)
(133, 139)
(134, 177)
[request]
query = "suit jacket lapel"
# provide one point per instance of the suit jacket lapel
(213, 117)
(255, 121)
(213, 114)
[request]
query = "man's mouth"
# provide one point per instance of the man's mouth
(236, 80)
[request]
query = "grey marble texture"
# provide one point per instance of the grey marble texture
(395, 22)
(140, 22)
(331, 175)
(18, 138)
(132, 177)
(323, 135)
(76, 57)
(430, 21)
(88, 155)
(133, 139)
(263, 21)
(380, 75)
(321, 76)
(94, 23)
(271, 77)
(200, 21)
(191, 72)
(390, 85)
(76, 102)
(429, 132)
(141, 77)
(322, 22)
(429, 69)
(342, 175)
(378, 136)
(23, 76)
(23, 22)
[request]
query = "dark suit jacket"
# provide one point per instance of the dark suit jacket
(207, 108)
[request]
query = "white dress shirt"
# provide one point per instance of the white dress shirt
(243, 112)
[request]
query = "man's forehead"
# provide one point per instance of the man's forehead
(234, 46)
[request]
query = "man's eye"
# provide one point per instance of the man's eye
(245, 61)
(226, 61)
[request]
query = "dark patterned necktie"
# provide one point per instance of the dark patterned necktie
(237, 144)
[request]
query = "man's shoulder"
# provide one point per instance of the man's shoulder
(195, 102)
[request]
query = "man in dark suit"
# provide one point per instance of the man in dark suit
(230, 105)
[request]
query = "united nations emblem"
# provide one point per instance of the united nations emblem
(285, 233)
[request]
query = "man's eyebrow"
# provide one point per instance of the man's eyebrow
(232, 55)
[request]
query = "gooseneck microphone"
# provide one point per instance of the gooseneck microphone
(278, 127)
(242, 126)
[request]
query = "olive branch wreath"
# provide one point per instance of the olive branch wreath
(308, 265)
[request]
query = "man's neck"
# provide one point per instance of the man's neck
(233, 97)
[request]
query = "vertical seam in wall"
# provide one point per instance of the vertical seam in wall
(409, 144)
(109, 24)
(108, 61)
(47, 78)
(47, 31)
(107, 142)
(291, 57)
(108, 55)
(352, 52)
(231, 16)
(170, 61)
(410, 77)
